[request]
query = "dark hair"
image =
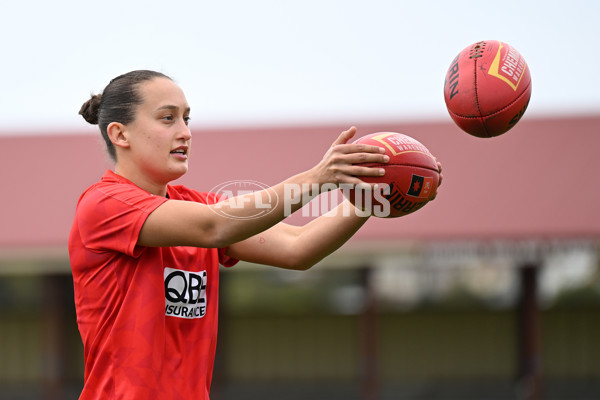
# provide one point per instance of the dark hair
(117, 103)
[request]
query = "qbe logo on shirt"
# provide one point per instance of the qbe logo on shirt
(185, 293)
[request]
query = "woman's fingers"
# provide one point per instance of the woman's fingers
(345, 136)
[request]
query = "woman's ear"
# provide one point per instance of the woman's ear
(116, 134)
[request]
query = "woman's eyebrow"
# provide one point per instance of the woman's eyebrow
(171, 107)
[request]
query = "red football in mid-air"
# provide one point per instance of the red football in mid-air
(487, 88)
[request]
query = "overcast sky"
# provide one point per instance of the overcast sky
(264, 62)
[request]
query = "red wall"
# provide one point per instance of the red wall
(536, 181)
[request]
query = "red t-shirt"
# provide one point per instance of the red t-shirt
(147, 315)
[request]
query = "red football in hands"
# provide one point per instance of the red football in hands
(487, 88)
(411, 177)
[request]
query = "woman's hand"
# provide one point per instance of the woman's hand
(339, 164)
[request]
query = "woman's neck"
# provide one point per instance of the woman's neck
(142, 181)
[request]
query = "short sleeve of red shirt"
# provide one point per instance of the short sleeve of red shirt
(111, 214)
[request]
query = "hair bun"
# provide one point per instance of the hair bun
(90, 109)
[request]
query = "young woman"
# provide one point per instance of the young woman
(145, 255)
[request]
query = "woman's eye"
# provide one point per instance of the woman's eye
(168, 118)
(187, 120)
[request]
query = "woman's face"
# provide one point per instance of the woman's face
(159, 137)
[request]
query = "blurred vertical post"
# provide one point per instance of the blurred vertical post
(53, 346)
(369, 369)
(529, 374)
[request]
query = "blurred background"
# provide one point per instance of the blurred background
(490, 292)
